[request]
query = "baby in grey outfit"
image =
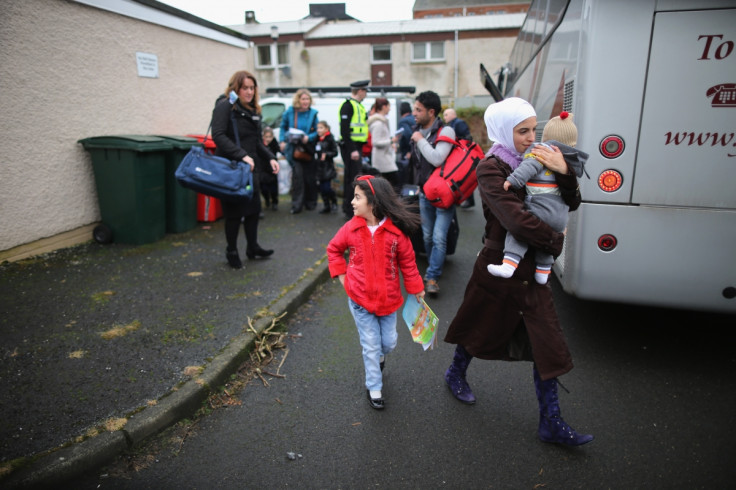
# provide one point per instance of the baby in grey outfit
(543, 197)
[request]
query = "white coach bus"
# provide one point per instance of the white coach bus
(652, 85)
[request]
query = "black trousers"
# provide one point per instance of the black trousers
(352, 169)
(303, 184)
(234, 215)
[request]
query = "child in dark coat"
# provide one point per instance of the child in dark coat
(325, 152)
(268, 181)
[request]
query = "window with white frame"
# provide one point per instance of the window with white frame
(381, 53)
(263, 55)
(428, 51)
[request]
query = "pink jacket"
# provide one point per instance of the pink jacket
(372, 275)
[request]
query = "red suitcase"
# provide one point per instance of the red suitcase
(208, 208)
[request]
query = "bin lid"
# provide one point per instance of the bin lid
(180, 142)
(133, 142)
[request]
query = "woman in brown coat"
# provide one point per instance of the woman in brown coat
(515, 318)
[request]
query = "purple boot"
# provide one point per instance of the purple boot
(455, 376)
(551, 426)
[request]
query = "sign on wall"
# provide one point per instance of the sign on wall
(147, 65)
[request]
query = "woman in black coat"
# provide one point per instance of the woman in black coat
(239, 109)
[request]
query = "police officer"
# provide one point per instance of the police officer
(353, 133)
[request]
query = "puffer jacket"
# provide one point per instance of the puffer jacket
(383, 157)
(372, 275)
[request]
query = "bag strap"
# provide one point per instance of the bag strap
(235, 130)
(310, 122)
(446, 139)
(204, 141)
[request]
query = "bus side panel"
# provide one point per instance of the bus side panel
(687, 150)
(610, 85)
(658, 261)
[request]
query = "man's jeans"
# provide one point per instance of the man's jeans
(435, 224)
(377, 337)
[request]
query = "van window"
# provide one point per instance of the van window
(271, 113)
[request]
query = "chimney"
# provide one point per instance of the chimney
(250, 17)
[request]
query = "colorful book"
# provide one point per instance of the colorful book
(422, 322)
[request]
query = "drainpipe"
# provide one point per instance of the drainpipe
(457, 53)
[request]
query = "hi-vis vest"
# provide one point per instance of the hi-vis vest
(358, 126)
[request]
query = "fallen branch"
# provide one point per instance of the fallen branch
(283, 359)
(265, 383)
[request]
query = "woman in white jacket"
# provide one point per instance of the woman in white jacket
(383, 154)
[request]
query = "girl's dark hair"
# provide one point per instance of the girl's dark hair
(385, 202)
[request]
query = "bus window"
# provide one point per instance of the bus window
(542, 19)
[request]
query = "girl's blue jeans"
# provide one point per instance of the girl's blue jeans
(377, 337)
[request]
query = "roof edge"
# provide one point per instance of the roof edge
(192, 18)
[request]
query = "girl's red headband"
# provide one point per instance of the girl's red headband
(368, 178)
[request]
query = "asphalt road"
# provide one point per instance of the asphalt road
(655, 387)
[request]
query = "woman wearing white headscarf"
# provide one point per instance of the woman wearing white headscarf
(515, 319)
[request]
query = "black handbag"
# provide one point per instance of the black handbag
(229, 180)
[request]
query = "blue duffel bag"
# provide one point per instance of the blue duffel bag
(229, 180)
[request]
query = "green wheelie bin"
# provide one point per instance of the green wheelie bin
(181, 203)
(130, 179)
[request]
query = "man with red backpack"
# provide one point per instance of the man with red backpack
(462, 132)
(427, 154)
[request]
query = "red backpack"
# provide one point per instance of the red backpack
(454, 181)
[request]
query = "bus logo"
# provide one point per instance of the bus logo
(724, 95)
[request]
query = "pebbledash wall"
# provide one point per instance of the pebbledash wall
(68, 71)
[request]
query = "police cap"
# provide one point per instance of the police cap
(361, 84)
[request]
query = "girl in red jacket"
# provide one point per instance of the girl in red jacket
(378, 240)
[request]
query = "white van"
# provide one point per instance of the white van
(327, 101)
(328, 108)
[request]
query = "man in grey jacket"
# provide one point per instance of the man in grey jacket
(426, 155)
